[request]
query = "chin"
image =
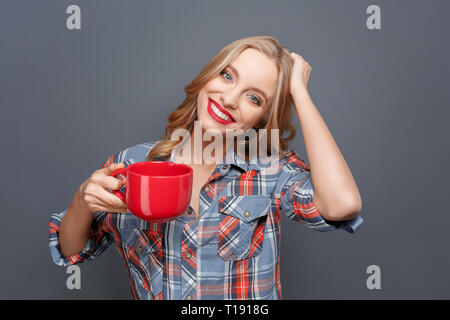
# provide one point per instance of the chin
(210, 125)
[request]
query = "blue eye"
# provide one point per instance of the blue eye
(255, 99)
(228, 77)
(225, 74)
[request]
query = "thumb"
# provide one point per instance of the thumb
(111, 168)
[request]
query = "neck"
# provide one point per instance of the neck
(198, 151)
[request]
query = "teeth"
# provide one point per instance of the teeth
(220, 114)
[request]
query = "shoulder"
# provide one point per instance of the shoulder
(292, 162)
(135, 153)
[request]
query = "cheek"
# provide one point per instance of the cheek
(252, 117)
(202, 101)
(216, 86)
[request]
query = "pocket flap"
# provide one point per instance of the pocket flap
(144, 241)
(245, 208)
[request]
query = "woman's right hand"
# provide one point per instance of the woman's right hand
(94, 196)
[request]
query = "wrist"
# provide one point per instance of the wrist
(80, 205)
(299, 91)
(300, 97)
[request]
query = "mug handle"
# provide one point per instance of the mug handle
(118, 193)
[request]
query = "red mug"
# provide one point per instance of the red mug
(156, 191)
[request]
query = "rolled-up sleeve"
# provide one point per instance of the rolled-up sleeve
(297, 192)
(99, 240)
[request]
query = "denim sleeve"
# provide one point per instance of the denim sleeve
(297, 194)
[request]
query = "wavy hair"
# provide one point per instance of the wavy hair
(278, 117)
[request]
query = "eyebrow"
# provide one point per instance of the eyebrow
(252, 88)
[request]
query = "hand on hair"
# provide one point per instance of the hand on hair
(300, 73)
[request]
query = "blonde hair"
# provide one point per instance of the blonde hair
(279, 115)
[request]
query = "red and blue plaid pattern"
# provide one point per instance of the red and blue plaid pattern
(230, 251)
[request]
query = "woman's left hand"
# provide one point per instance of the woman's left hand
(300, 73)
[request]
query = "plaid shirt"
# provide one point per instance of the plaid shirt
(230, 251)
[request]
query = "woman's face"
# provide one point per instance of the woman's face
(238, 97)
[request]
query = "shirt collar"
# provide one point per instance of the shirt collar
(232, 158)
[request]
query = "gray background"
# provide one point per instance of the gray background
(70, 99)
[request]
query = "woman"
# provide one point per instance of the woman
(227, 244)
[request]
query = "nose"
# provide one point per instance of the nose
(230, 99)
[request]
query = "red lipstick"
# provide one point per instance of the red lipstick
(215, 116)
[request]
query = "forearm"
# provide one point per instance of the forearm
(75, 228)
(336, 195)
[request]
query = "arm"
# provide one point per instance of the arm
(329, 171)
(75, 227)
(78, 233)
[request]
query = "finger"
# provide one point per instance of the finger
(296, 56)
(106, 199)
(293, 58)
(115, 210)
(113, 201)
(111, 183)
(110, 169)
(107, 202)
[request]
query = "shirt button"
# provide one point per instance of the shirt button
(189, 298)
(225, 167)
(207, 189)
(140, 249)
(189, 211)
(188, 255)
(247, 214)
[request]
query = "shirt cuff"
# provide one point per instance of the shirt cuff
(348, 225)
(55, 251)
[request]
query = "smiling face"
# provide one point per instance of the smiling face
(239, 96)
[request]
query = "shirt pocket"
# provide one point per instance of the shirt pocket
(241, 227)
(144, 250)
